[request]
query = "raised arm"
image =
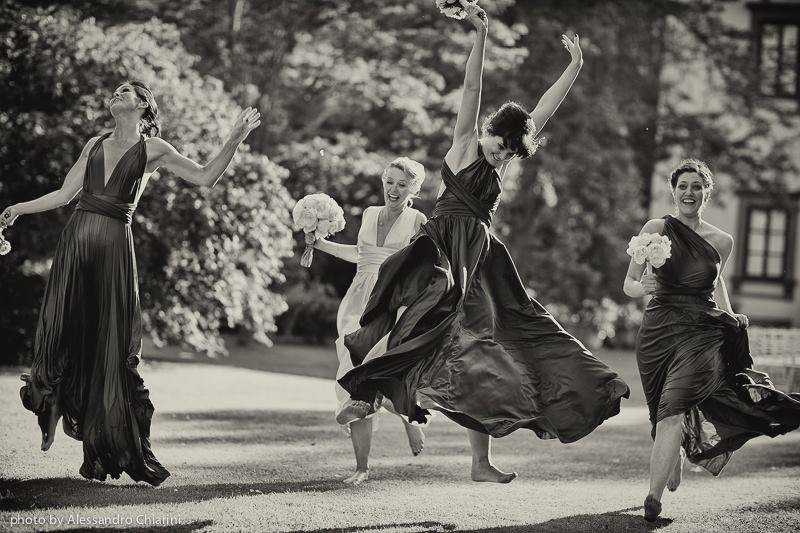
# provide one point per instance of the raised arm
(637, 283)
(553, 97)
(58, 198)
(348, 252)
(467, 120)
(204, 175)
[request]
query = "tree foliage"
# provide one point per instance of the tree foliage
(345, 86)
(207, 258)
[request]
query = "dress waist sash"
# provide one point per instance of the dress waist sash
(704, 299)
(450, 204)
(370, 257)
(106, 205)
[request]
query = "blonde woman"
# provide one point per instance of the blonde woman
(384, 230)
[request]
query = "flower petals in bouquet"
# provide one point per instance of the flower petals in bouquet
(650, 247)
(453, 8)
(319, 216)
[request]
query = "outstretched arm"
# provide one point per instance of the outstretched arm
(348, 252)
(58, 198)
(467, 120)
(553, 97)
(205, 175)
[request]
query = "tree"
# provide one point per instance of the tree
(207, 258)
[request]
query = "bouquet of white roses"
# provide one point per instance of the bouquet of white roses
(454, 8)
(5, 246)
(650, 247)
(318, 215)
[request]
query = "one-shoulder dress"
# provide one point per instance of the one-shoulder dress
(89, 333)
(689, 352)
(471, 342)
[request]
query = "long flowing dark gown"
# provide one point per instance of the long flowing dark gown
(472, 343)
(689, 352)
(88, 339)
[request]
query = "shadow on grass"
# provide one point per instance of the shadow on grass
(617, 521)
(417, 527)
(52, 493)
(178, 528)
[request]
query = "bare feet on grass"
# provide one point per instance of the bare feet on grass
(416, 438)
(485, 471)
(359, 477)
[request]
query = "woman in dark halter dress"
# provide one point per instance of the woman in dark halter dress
(705, 400)
(469, 341)
(88, 339)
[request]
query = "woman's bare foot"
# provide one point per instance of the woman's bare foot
(486, 471)
(358, 478)
(676, 475)
(353, 410)
(416, 438)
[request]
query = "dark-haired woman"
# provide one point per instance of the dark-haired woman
(692, 348)
(469, 341)
(88, 339)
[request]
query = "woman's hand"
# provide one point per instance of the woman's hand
(754, 377)
(9, 216)
(476, 15)
(247, 121)
(742, 320)
(574, 48)
(649, 283)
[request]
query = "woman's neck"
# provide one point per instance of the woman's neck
(392, 212)
(125, 128)
(693, 222)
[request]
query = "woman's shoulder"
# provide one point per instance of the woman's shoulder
(722, 240)
(654, 225)
(158, 143)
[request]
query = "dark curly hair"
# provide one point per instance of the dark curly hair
(150, 123)
(693, 166)
(515, 126)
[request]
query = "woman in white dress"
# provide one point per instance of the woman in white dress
(384, 230)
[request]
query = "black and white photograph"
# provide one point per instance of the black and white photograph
(400, 266)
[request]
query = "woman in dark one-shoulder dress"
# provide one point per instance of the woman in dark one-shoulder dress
(469, 341)
(704, 398)
(88, 338)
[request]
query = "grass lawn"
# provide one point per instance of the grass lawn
(252, 445)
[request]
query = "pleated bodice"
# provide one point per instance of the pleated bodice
(118, 197)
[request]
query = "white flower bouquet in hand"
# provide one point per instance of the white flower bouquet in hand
(5, 246)
(454, 8)
(319, 216)
(652, 248)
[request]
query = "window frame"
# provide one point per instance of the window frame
(751, 201)
(769, 14)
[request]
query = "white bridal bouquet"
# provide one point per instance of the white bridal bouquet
(318, 215)
(650, 247)
(454, 8)
(5, 246)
